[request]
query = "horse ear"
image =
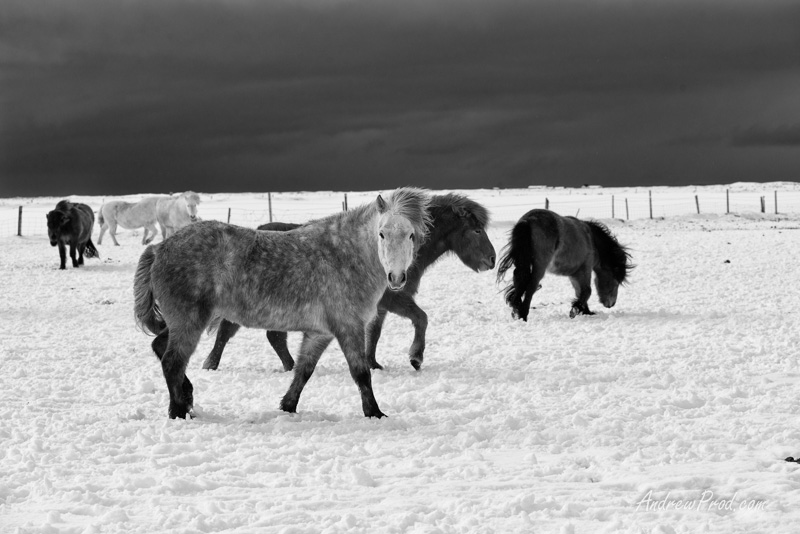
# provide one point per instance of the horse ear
(381, 204)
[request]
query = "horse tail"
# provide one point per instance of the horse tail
(518, 253)
(91, 250)
(100, 219)
(148, 317)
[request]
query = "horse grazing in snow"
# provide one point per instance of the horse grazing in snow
(174, 213)
(545, 241)
(71, 224)
(129, 215)
(458, 225)
(324, 279)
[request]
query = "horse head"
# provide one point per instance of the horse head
(402, 226)
(613, 265)
(191, 199)
(56, 221)
(470, 241)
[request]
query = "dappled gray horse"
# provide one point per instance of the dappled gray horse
(173, 213)
(458, 226)
(324, 279)
(129, 215)
(544, 241)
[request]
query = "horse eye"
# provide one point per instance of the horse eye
(478, 231)
(381, 234)
(411, 237)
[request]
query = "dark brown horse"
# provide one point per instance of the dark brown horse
(543, 241)
(324, 279)
(458, 225)
(71, 224)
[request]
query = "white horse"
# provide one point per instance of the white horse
(173, 213)
(129, 216)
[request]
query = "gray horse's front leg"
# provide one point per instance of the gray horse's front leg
(374, 329)
(351, 340)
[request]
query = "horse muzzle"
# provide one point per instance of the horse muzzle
(397, 282)
(608, 303)
(487, 264)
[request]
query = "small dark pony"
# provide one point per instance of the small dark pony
(458, 225)
(71, 224)
(545, 241)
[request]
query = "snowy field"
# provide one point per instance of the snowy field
(671, 412)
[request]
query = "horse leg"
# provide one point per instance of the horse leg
(153, 233)
(278, 342)
(159, 346)
(112, 231)
(62, 253)
(581, 281)
(103, 228)
(351, 340)
(81, 248)
(72, 249)
(403, 305)
(374, 329)
(225, 332)
(532, 285)
(311, 349)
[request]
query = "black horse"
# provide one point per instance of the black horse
(71, 224)
(545, 241)
(458, 225)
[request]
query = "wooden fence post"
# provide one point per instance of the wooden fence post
(229, 215)
(19, 222)
(697, 203)
(344, 204)
(776, 202)
(546, 203)
(627, 213)
(727, 201)
(650, 195)
(762, 205)
(612, 206)
(269, 200)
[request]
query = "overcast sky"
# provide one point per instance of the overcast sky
(152, 96)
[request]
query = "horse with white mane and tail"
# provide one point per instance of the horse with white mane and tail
(170, 212)
(324, 279)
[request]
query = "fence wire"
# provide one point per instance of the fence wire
(505, 206)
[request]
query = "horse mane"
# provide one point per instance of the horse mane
(612, 255)
(460, 203)
(190, 196)
(412, 203)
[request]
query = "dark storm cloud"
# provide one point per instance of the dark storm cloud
(137, 96)
(782, 136)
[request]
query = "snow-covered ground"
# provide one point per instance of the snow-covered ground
(671, 412)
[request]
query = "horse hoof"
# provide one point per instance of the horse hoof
(416, 364)
(376, 413)
(375, 365)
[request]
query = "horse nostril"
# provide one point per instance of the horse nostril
(403, 278)
(491, 261)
